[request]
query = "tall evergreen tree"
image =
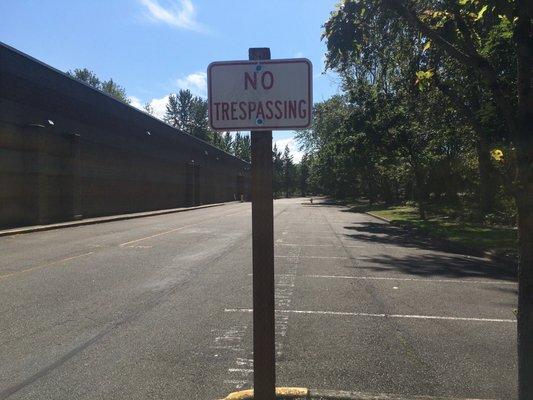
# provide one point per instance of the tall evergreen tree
(171, 116)
(241, 147)
(288, 172)
(199, 126)
(227, 142)
(179, 111)
(303, 175)
(277, 165)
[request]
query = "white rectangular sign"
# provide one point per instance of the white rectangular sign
(260, 95)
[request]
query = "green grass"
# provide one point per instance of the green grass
(483, 237)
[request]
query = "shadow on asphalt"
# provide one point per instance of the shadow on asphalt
(455, 265)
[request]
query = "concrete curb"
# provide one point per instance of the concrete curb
(378, 217)
(99, 220)
(488, 254)
(285, 392)
(309, 394)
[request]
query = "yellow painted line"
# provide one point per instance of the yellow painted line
(280, 392)
(159, 234)
(175, 229)
(5, 276)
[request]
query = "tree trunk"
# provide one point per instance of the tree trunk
(525, 279)
(486, 176)
(422, 195)
(524, 146)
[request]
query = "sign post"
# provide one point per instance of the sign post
(261, 95)
(263, 257)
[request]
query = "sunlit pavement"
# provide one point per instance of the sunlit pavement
(160, 307)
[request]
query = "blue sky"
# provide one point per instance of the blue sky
(156, 47)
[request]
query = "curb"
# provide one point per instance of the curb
(488, 254)
(378, 217)
(309, 394)
(285, 392)
(99, 220)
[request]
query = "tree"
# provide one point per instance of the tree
(242, 147)
(149, 109)
(303, 174)
(199, 126)
(85, 75)
(288, 177)
(188, 113)
(179, 110)
(277, 168)
(171, 116)
(227, 142)
(110, 86)
(472, 34)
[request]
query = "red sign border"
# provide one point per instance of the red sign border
(255, 62)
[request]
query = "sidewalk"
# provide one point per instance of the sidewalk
(98, 220)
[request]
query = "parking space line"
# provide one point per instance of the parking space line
(318, 257)
(372, 315)
(383, 278)
(316, 245)
(308, 237)
(351, 395)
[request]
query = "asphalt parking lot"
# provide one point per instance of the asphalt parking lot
(160, 307)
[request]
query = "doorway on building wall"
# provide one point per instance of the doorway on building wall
(240, 188)
(192, 195)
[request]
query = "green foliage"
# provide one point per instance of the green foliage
(500, 239)
(241, 146)
(277, 168)
(188, 113)
(417, 117)
(110, 86)
(289, 173)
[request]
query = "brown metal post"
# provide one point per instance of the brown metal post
(263, 257)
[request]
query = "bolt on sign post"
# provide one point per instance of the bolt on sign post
(261, 95)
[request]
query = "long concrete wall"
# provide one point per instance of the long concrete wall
(68, 151)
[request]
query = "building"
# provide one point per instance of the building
(69, 151)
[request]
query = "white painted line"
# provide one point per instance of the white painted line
(238, 384)
(317, 245)
(356, 314)
(308, 237)
(316, 257)
(343, 394)
(242, 370)
(383, 278)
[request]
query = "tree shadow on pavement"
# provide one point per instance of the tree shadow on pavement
(387, 234)
(428, 263)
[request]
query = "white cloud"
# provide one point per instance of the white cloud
(299, 54)
(176, 13)
(159, 106)
(195, 82)
(293, 147)
(135, 102)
